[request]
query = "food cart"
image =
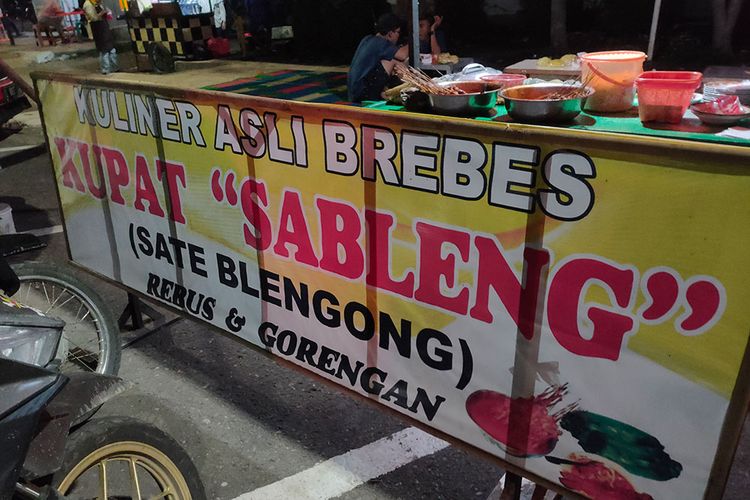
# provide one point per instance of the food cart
(568, 300)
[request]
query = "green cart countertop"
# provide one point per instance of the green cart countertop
(690, 129)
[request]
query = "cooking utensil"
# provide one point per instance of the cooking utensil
(476, 100)
(530, 104)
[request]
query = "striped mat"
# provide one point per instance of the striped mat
(296, 85)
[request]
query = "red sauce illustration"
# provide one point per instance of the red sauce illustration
(538, 431)
(597, 481)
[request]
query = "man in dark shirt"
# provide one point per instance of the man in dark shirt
(374, 60)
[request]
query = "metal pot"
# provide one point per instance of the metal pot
(476, 101)
(527, 103)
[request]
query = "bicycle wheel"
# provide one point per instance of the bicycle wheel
(90, 340)
(119, 457)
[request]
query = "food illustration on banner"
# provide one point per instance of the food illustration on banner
(523, 427)
(596, 480)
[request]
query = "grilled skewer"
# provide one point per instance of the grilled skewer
(420, 80)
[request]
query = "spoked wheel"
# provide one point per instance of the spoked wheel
(125, 458)
(90, 340)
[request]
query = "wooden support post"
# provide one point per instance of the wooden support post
(512, 489)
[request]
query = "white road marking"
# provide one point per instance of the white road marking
(345, 472)
(44, 231)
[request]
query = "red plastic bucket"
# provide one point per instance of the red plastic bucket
(664, 96)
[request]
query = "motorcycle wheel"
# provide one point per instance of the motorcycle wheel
(117, 457)
(90, 340)
(161, 58)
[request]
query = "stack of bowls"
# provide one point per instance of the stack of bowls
(719, 88)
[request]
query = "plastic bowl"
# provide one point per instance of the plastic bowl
(503, 80)
(527, 103)
(718, 118)
(664, 96)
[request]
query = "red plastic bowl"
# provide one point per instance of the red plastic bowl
(664, 96)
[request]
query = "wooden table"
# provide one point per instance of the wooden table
(531, 68)
(447, 68)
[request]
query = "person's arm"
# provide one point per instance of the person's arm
(402, 54)
(434, 44)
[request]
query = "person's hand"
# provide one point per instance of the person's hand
(437, 20)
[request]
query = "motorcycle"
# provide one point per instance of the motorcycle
(50, 444)
(90, 340)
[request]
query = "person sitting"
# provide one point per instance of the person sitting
(431, 41)
(374, 60)
(51, 19)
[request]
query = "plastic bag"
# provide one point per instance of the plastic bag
(219, 47)
(470, 72)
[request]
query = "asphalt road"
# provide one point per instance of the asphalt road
(252, 425)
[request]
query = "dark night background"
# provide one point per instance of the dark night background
(327, 31)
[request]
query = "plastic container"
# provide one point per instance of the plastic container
(503, 80)
(611, 75)
(664, 96)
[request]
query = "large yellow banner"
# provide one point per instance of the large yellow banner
(573, 303)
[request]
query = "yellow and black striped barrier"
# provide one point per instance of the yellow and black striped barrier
(179, 34)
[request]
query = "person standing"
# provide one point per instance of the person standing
(97, 16)
(374, 60)
(220, 18)
(9, 24)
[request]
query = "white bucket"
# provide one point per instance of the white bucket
(612, 75)
(6, 219)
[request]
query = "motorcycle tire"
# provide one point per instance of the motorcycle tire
(104, 444)
(161, 58)
(89, 343)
